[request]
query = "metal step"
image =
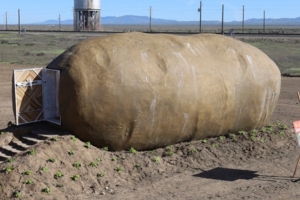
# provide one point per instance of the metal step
(31, 138)
(11, 149)
(21, 144)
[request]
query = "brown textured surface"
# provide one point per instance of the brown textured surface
(147, 91)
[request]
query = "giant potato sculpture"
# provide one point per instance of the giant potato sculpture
(147, 91)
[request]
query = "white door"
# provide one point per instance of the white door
(36, 95)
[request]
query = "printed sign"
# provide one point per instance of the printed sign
(297, 130)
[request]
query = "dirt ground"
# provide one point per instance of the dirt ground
(246, 165)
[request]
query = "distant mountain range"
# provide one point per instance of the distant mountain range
(144, 20)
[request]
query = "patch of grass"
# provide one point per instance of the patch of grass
(71, 152)
(93, 164)
(43, 169)
(77, 164)
(27, 172)
(87, 145)
(52, 160)
(31, 152)
(155, 159)
(17, 194)
(29, 182)
(58, 175)
(118, 169)
(46, 190)
(100, 174)
(132, 150)
(105, 148)
(8, 169)
(75, 177)
(73, 138)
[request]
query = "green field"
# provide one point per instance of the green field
(42, 48)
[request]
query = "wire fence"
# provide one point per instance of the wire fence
(221, 19)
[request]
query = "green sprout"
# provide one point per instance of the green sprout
(281, 133)
(118, 169)
(214, 145)
(17, 194)
(113, 159)
(284, 127)
(29, 182)
(123, 157)
(9, 169)
(155, 159)
(58, 175)
(132, 150)
(51, 160)
(93, 164)
(170, 153)
(98, 159)
(54, 139)
(242, 132)
(262, 140)
(100, 174)
(263, 130)
(137, 165)
(2, 133)
(87, 145)
(27, 172)
(10, 160)
(46, 190)
(77, 164)
(75, 177)
(222, 138)
(73, 138)
(203, 141)
(43, 169)
(71, 152)
(105, 148)
(31, 152)
(169, 148)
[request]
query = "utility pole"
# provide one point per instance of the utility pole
(264, 21)
(19, 21)
(6, 21)
(243, 19)
(222, 19)
(200, 12)
(59, 21)
(150, 25)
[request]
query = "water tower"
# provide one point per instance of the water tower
(86, 15)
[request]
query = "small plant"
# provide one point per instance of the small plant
(27, 172)
(9, 169)
(119, 169)
(54, 139)
(263, 130)
(100, 174)
(277, 123)
(252, 137)
(222, 138)
(170, 153)
(262, 140)
(51, 160)
(194, 150)
(75, 177)
(73, 138)
(71, 152)
(31, 152)
(87, 145)
(60, 185)
(46, 190)
(123, 157)
(132, 150)
(269, 126)
(281, 133)
(203, 141)
(270, 129)
(105, 148)
(155, 159)
(77, 164)
(242, 132)
(93, 164)
(233, 137)
(284, 127)
(58, 175)
(152, 152)
(29, 182)
(17, 194)
(253, 132)
(214, 145)
(43, 169)
(98, 159)
(10, 160)
(2, 133)
(113, 159)
(137, 165)
(169, 148)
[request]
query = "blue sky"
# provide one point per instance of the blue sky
(182, 10)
